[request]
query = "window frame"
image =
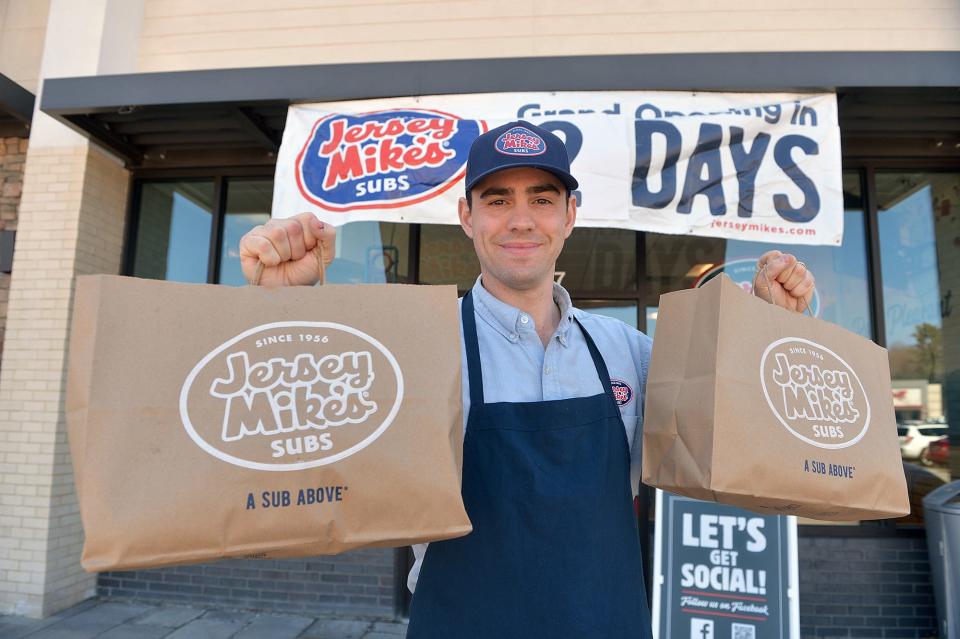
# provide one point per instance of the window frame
(219, 178)
(868, 168)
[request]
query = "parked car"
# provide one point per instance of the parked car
(915, 437)
(937, 452)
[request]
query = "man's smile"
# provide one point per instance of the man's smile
(519, 248)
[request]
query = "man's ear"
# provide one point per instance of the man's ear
(466, 217)
(571, 215)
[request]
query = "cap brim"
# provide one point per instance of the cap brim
(568, 180)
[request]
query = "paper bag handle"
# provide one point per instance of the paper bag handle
(767, 277)
(321, 267)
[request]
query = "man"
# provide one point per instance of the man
(547, 457)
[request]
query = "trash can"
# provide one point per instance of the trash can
(942, 515)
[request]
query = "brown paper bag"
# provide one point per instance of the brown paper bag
(208, 422)
(751, 405)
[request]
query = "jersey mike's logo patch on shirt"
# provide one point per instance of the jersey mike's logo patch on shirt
(520, 141)
(621, 391)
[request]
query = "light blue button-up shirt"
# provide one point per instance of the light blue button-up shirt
(518, 368)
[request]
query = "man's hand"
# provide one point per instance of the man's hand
(286, 249)
(787, 283)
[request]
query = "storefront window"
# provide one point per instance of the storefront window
(592, 261)
(371, 253)
(175, 225)
(248, 205)
(599, 261)
(675, 262)
(624, 311)
(447, 256)
(173, 231)
(918, 218)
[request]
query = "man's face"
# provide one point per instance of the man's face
(518, 221)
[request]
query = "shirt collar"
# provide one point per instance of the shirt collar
(513, 323)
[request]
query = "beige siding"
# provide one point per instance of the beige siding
(192, 34)
(22, 27)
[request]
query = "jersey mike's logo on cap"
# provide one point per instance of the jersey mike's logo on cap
(520, 141)
(384, 159)
(814, 393)
(291, 395)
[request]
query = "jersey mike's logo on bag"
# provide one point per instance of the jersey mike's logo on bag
(291, 395)
(385, 159)
(814, 393)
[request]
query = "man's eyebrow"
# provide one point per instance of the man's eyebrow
(546, 187)
(496, 190)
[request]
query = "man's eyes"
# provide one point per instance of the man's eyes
(543, 201)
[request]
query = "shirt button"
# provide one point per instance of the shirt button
(546, 371)
(524, 319)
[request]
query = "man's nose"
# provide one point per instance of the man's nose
(521, 218)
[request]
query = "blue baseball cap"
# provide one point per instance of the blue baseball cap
(518, 144)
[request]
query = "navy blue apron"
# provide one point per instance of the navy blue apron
(554, 550)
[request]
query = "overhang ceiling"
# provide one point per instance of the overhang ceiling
(16, 109)
(235, 117)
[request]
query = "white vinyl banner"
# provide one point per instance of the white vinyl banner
(761, 167)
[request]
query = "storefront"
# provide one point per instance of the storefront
(175, 160)
(201, 146)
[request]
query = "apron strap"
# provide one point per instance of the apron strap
(473, 350)
(598, 362)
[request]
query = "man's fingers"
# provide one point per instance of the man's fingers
(276, 232)
(326, 235)
(259, 248)
(795, 277)
(307, 222)
(296, 239)
(779, 267)
(791, 282)
(804, 288)
(767, 257)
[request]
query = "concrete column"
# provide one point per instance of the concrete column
(71, 219)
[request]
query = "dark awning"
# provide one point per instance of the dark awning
(892, 104)
(16, 109)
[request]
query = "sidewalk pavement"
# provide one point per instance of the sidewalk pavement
(122, 620)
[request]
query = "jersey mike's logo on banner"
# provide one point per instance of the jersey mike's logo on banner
(814, 393)
(385, 159)
(291, 395)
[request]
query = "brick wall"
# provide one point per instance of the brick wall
(358, 583)
(13, 154)
(70, 222)
(874, 587)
